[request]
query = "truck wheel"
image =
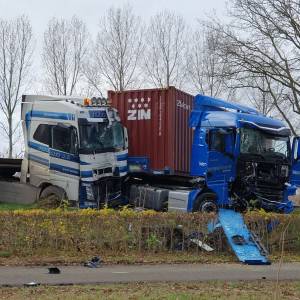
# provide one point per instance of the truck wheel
(206, 203)
(52, 197)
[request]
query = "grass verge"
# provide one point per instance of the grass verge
(130, 258)
(6, 259)
(15, 206)
(189, 290)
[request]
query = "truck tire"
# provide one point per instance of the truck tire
(206, 203)
(52, 197)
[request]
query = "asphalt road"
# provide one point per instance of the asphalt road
(15, 276)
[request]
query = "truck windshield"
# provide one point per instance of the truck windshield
(97, 137)
(254, 141)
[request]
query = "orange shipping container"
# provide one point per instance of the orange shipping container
(157, 123)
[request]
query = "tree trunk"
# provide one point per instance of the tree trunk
(10, 136)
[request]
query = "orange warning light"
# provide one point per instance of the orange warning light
(87, 101)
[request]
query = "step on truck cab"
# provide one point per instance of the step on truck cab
(74, 148)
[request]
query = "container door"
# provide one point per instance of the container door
(295, 170)
(220, 155)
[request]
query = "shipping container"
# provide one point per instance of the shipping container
(157, 123)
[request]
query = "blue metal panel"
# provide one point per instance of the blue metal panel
(64, 169)
(202, 101)
(64, 156)
(295, 170)
(52, 115)
(199, 161)
(38, 147)
(233, 225)
(192, 198)
(138, 163)
(123, 169)
(86, 174)
(54, 153)
(195, 118)
(121, 157)
(210, 112)
(221, 190)
(98, 114)
(40, 160)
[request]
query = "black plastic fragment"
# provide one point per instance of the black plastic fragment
(54, 270)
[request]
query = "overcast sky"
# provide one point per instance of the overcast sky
(40, 11)
(90, 11)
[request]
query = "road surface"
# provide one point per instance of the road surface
(15, 276)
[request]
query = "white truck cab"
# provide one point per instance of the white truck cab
(75, 148)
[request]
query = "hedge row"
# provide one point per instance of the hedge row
(29, 232)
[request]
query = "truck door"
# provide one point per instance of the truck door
(199, 161)
(64, 158)
(220, 155)
(295, 170)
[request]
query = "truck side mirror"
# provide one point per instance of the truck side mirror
(125, 137)
(74, 140)
(298, 148)
(295, 149)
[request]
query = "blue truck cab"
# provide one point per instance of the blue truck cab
(245, 157)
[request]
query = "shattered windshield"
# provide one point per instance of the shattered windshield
(255, 141)
(100, 137)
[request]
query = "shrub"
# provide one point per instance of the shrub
(29, 232)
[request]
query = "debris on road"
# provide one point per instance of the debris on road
(95, 262)
(54, 270)
(31, 284)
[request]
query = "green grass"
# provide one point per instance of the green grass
(183, 290)
(14, 206)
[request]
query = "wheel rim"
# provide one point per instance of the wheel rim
(208, 207)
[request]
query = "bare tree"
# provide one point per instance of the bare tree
(64, 54)
(16, 48)
(209, 71)
(166, 47)
(264, 40)
(93, 76)
(118, 49)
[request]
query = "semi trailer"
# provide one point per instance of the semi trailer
(239, 158)
(75, 149)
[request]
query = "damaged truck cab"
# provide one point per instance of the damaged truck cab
(75, 148)
(246, 158)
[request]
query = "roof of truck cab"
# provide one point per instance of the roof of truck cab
(213, 112)
(38, 98)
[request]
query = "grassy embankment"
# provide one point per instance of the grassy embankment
(179, 291)
(34, 236)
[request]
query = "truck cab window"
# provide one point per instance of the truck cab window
(100, 136)
(255, 141)
(43, 134)
(62, 139)
(216, 141)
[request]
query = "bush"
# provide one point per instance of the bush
(30, 232)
